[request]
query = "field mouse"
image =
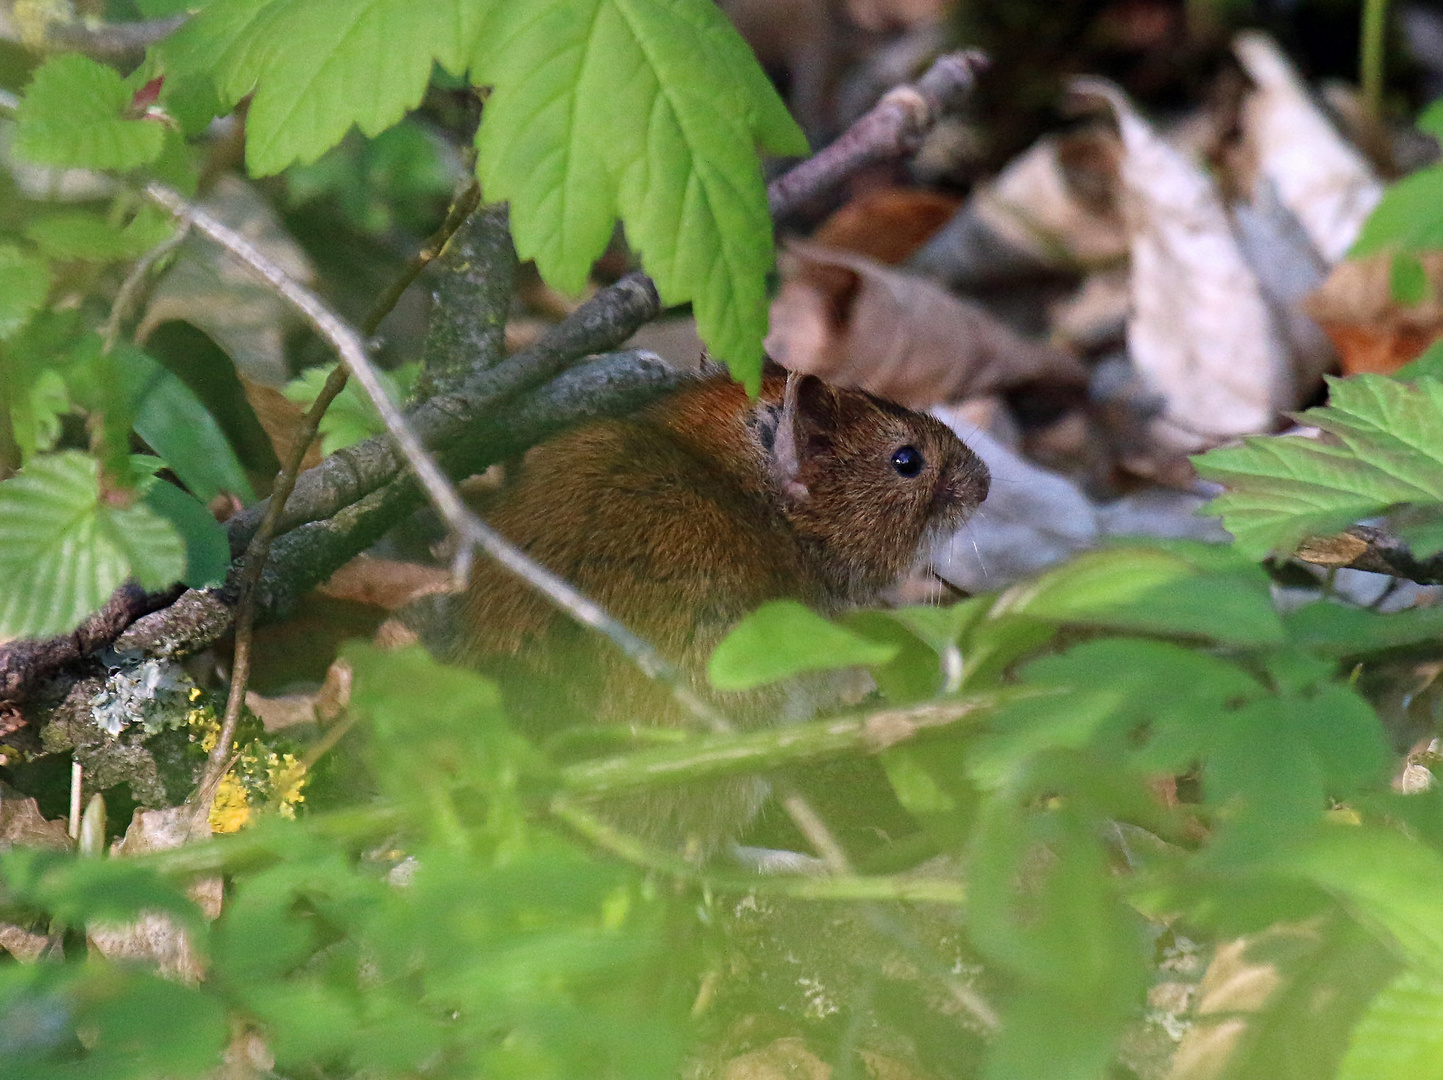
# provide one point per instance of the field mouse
(684, 518)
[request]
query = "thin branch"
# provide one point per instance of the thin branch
(108, 41)
(128, 297)
(893, 128)
(257, 552)
(1364, 547)
(460, 209)
(602, 323)
(614, 384)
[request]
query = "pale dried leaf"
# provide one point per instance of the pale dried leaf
(216, 293)
(1288, 268)
(1201, 333)
(282, 710)
(1320, 176)
(858, 323)
(155, 938)
(23, 825)
(784, 1059)
(1058, 201)
(22, 944)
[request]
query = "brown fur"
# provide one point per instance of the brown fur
(683, 519)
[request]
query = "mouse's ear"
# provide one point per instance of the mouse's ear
(809, 414)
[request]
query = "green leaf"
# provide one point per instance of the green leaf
(73, 114)
(1429, 365)
(174, 423)
(64, 548)
(351, 416)
(1327, 628)
(1407, 218)
(1391, 884)
(1407, 280)
(1151, 590)
(207, 548)
(76, 234)
(1400, 1036)
(319, 68)
(1382, 445)
(1431, 120)
(650, 111)
(784, 638)
(24, 283)
(35, 413)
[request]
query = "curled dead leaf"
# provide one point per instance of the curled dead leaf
(1320, 176)
(1201, 333)
(887, 224)
(156, 938)
(1370, 329)
(858, 323)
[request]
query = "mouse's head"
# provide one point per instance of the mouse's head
(865, 482)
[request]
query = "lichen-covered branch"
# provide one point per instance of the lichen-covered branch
(602, 323)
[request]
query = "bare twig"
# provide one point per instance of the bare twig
(255, 560)
(893, 128)
(1364, 547)
(135, 284)
(461, 208)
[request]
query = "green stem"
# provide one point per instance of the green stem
(711, 756)
(797, 887)
(1370, 63)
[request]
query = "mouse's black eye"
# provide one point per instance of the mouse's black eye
(908, 461)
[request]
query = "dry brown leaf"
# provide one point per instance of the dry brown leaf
(1371, 331)
(1321, 177)
(784, 1059)
(858, 323)
(22, 823)
(324, 705)
(385, 583)
(887, 224)
(281, 419)
(1201, 332)
(215, 293)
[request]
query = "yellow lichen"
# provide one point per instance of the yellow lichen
(231, 809)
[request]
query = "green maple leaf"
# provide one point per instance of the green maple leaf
(73, 114)
(64, 548)
(1382, 445)
(648, 110)
(319, 68)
